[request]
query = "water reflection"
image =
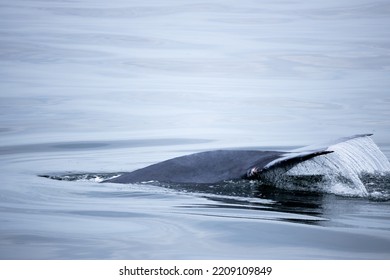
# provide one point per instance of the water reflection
(251, 200)
(241, 199)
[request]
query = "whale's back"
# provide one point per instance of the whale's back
(204, 167)
(223, 165)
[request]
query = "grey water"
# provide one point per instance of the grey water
(90, 89)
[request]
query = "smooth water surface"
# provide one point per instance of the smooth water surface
(103, 87)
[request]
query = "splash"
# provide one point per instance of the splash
(342, 172)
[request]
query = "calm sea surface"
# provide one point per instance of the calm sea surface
(90, 87)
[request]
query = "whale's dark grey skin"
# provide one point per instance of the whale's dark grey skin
(223, 165)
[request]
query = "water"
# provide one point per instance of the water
(97, 87)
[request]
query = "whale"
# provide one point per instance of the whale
(217, 166)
